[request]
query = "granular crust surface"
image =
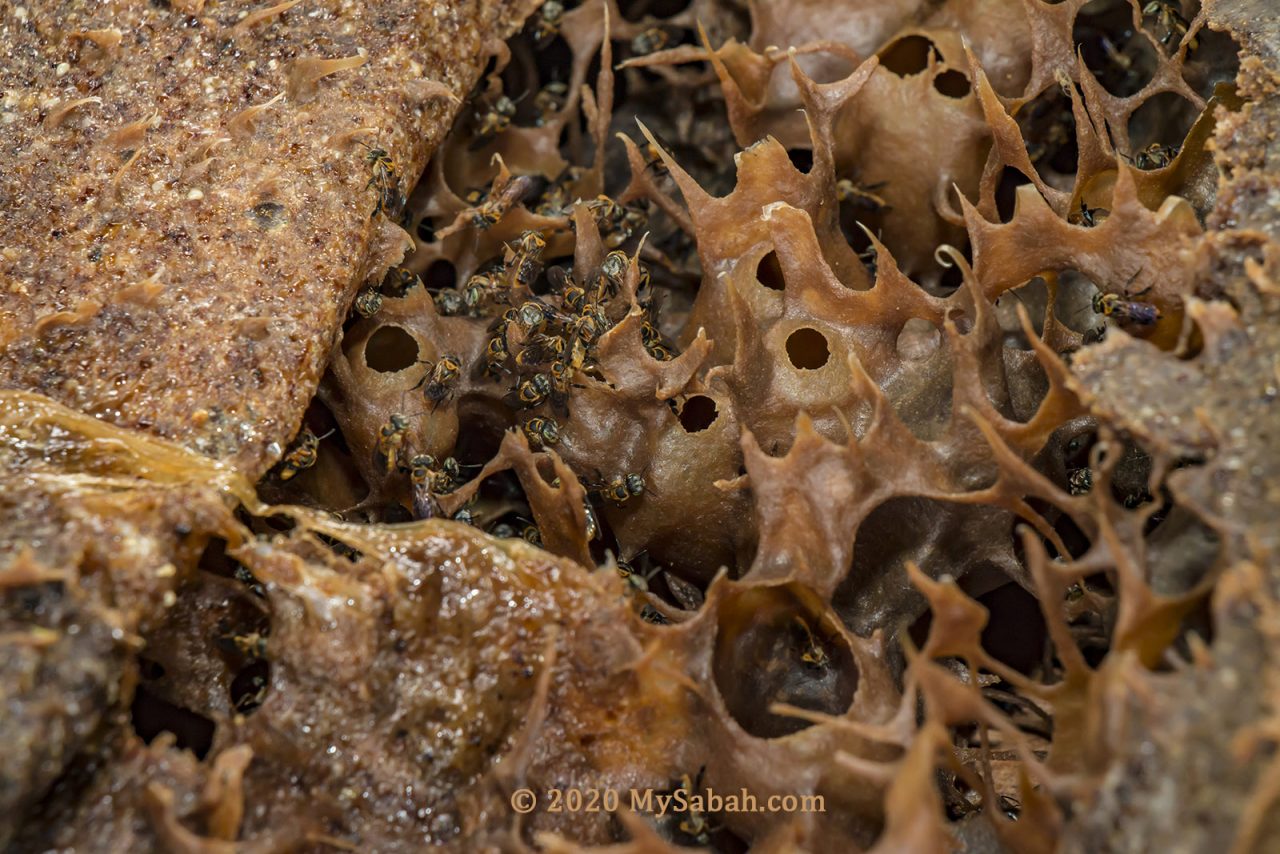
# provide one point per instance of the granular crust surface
(184, 216)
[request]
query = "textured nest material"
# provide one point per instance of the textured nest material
(920, 532)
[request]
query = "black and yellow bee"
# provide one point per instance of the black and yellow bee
(812, 653)
(532, 316)
(1125, 311)
(399, 281)
(613, 270)
(530, 392)
(495, 119)
(864, 198)
(632, 221)
(1080, 481)
(653, 161)
(251, 645)
(541, 432)
(391, 439)
(653, 616)
(539, 350)
(303, 455)
(650, 41)
(573, 298)
(429, 478)
(1156, 156)
(589, 324)
(1089, 217)
(450, 303)
(493, 205)
(558, 197)
(549, 100)
(1169, 16)
(385, 182)
(694, 824)
(621, 489)
(526, 256)
(480, 288)
(441, 476)
(441, 379)
(546, 24)
(496, 355)
(368, 302)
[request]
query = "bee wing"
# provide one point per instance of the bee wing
(425, 505)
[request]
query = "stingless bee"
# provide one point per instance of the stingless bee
(558, 197)
(492, 206)
(430, 478)
(449, 303)
(549, 101)
(865, 198)
(613, 270)
(651, 40)
(525, 256)
(589, 324)
(368, 302)
(441, 379)
(1089, 217)
(546, 24)
(575, 299)
(1156, 156)
(621, 489)
(531, 392)
(541, 432)
(304, 453)
(1080, 481)
(384, 180)
(1169, 16)
(653, 616)
(1125, 311)
(539, 350)
(479, 289)
(399, 281)
(694, 824)
(813, 653)
(496, 355)
(391, 439)
(252, 645)
(494, 120)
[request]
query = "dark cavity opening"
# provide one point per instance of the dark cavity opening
(151, 716)
(698, 413)
(952, 83)
(1162, 120)
(907, 56)
(769, 272)
(1007, 192)
(441, 274)
(793, 656)
(801, 158)
(807, 349)
(1049, 128)
(1015, 633)
(390, 349)
(249, 688)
